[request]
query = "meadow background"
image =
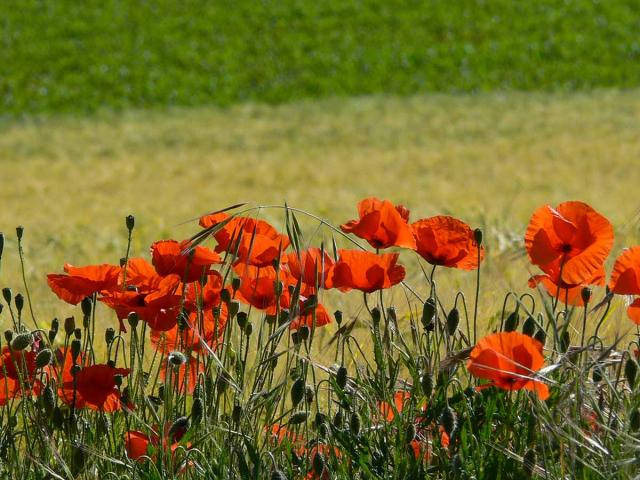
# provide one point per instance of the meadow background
(168, 110)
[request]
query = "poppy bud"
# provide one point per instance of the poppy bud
(453, 319)
(109, 335)
(233, 308)
(225, 296)
(426, 382)
(197, 410)
(79, 457)
(541, 336)
(511, 323)
(295, 337)
(75, 349)
(130, 222)
(428, 314)
(585, 293)
(448, 420)
(1, 244)
(597, 374)
(341, 377)
(77, 333)
(7, 294)
(236, 283)
(133, 319)
(48, 399)
(309, 394)
(375, 315)
(19, 301)
(318, 463)
(177, 359)
(354, 424)
(529, 461)
(236, 414)
(44, 358)
(86, 306)
(52, 335)
(297, 391)
(630, 372)
(278, 475)
(8, 335)
(529, 326)
(19, 232)
(178, 428)
(284, 316)
(21, 341)
(242, 319)
(634, 420)
(55, 325)
(338, 316)
(298, 418)
(304, 332)
(117, 379)
(477, 236)
(69, 326)
(338, 419)
(248, 330)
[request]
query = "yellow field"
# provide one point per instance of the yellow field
(488, 159)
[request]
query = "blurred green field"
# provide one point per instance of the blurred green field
(489, 159)
(68, 56)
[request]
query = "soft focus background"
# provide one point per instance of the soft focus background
(167, 110)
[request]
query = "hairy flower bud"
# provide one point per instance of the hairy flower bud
(44, 358)
(21, 341)
(130, 222)
(297, 391)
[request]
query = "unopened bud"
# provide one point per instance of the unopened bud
(338, 316)
(448, 420)
(177, 359)
(318, 463)
(304, 332)
(541, 336)
(197, 410)
(225, 296)
(75, 349)
(426, 383)
(242, 318)
(428, 314)
(477, 236)
(529, 326)
(375, 315)
(8, 335)
(7, 295)
(297, 391)
(355, 424)
(585, 293)
(453, 320)
(21, 341)
(630, 372)
(44, 358)
(130, 222)
(48, 399)
(178, 428)
(19, 232)
(248, 330)
(234, 307)
(19, 301)
(69, 325)
(341, 377)
(77, 333)
(512, 321)
(298, 418)
(133, 318)
(236, 283)
(109, 335)
(86, 305)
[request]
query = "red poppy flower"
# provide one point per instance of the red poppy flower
(382, 224)
(81, 282)
(257, 242)
(13, 367)
(366, 271)
(572, 239)
(569, 294)
(387, 410)
(137, 443)
(447, 241)
(258, 287)
(159, 308)
(169, 257)
(144, 277)
(205, 329)
(625, 279)
(313, 316)
(95, 386)
(202, 297)
(508, 360)
(313, 267)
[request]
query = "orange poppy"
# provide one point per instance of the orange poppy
(257, 242)
(95, 386)
(315, 315)
(137, 443)
(81, 282)
(572, 239)
(190, 338)
(202, 297)
(258, 287)
(13, 367)
(569, 294)
(447, 241)
(387, 410)
(169, 257)
(144, 277)
(381, 224)
(508, 360)
(625, 280)
(313, 267)
(366, 271)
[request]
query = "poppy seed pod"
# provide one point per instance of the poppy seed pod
(7, 295)
(177, 359)
(8, 335)
(511, 323)
(197, 410)
(477, 236)
(630, 372)
(428, 314)
(19, 302)
(297, 391)
(86, 306)
(21, 341)
(298, 418)
(354, 424)
(242, 319)
(69, 325)
(529, 326)
(597, 374)
(448, 420)
(130, 222)
(341, 377)
(44, 358)
(453, 320)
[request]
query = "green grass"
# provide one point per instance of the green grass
(67, 56)
(489, 159)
